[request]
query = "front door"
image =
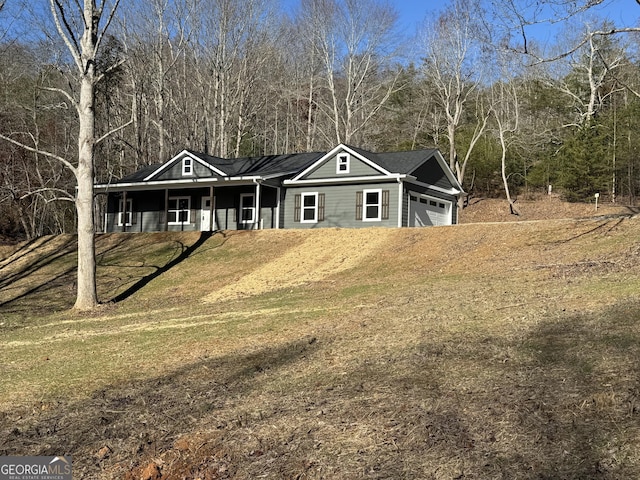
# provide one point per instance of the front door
(205, 214)
(247, 211)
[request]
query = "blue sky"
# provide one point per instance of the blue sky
(413, 12)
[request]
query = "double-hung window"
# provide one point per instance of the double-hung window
(179, 210)
(125, 214)
(309, 208)
(372, 205)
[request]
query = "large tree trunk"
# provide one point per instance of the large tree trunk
(87, 297)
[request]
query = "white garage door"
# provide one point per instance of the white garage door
(427, 211)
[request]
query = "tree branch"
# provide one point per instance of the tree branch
(64, 93)
(111, 68)
(65, 162)
(67, 197)
(106, 27)
(115, 130)
(57, 11)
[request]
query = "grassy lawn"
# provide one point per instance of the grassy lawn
(476, 351)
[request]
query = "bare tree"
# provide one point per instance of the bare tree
(454, 67)
(81, 27)
(518, 18)
(506, 117)
(586, 75)
(354, 41)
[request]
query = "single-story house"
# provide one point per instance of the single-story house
(345, 187)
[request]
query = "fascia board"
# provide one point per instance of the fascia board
(185, 183)
(447, 171)
(450, 191)
(334, 151)
(393, 177)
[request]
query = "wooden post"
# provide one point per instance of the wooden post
(166, 209)
(257, 219)
(124, 211)
(211, 209)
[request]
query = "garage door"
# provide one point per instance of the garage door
(428, 211)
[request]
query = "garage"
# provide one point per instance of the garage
(425, 211)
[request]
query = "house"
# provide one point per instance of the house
(346, 187)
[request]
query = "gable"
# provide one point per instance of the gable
(185, 165)
(432, 173)
(341, 162)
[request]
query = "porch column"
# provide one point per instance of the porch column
(211, 209)
(166, 209)
(124, 211)
(277, 213)
(258, 205)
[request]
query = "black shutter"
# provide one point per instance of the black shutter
(385, 205)
(296, 208)
(358, 205)
(321, 207)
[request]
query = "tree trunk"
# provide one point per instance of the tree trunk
(87, 297)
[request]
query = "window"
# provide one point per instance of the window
(308, 207)
(372, 205)
(187, 166)
(128, 213)
(179, 210)
(342, 163)
(247, 208)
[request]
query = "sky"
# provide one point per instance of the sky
(412, 13)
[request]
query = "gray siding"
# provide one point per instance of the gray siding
(174, 172)
(357, 168)
(340, 206)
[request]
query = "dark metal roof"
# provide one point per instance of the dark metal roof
(140, 175)
(398, 162)
(289, 164)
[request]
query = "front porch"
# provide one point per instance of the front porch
(203, 208)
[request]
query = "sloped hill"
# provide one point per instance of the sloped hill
(475, 351)
(540, 207)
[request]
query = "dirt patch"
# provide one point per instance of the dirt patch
(544, 207)
(323, 253)
(472, 351)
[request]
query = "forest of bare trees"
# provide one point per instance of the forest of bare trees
(248, 77)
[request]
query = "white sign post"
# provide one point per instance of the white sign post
(597, 197)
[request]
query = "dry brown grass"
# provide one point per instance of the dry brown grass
(478, 351)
